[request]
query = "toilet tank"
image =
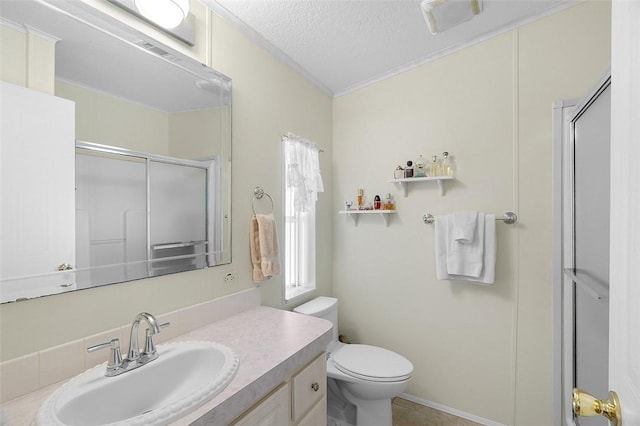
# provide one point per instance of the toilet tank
(322, 307)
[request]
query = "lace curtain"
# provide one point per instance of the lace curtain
(303, 176)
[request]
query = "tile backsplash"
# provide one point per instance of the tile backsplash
(31, 372)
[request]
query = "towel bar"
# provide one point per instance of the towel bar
(508, 218)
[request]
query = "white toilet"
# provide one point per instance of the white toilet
(366, 376)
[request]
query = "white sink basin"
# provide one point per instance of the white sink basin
(185, 375)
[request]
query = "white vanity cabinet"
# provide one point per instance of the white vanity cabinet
(302, 401)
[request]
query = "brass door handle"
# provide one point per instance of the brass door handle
(585, 404)
(65, 267)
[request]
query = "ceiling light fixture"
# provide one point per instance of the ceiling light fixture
(444, 14)
(166, 13)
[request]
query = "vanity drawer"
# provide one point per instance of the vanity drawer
(309, 387)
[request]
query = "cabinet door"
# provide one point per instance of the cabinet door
(272, 411)
(317, 416)
(309, 386)
(37, 155)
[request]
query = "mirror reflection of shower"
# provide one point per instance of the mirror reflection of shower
(139, 215)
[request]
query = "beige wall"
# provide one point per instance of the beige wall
(27, 58)
(265, 104)
(192, 133)
(270, 99)
(481, 350)
(105, 119)
(486, 351)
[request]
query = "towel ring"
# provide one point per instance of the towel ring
(258, 193)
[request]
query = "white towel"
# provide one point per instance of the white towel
(464, 225)
(487, 275)
(465, 258)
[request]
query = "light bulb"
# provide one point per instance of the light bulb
(166, 13)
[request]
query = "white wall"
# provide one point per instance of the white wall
(268, 99)
(486, 351)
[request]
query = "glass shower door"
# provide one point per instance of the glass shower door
(178, 227)
(590, 272)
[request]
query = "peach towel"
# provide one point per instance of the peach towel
(255, 250)
(264, 247)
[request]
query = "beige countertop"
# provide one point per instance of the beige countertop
(271, 344)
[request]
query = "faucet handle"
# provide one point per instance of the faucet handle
(115, 357)
(149, 346)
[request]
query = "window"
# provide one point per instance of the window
(302, 183)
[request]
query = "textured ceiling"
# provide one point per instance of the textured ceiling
(344, 44)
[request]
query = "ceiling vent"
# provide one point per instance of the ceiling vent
(444, 14)
(156, 50)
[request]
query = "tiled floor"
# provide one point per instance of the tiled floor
(407, 413)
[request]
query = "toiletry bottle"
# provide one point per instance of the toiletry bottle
(388, 203)
(408, 171)
(433, 167)
(398, 173)
(360, 197)
(421, 167)
(448, 165)
(376, 202)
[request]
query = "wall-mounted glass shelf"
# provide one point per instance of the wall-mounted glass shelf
(355, 214)
(403, 182)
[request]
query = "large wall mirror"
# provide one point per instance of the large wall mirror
(151, 191)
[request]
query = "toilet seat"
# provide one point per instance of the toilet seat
(372, 363)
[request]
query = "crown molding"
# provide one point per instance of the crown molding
(224, 13)
(510, 26)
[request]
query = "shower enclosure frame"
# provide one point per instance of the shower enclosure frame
(212, 213)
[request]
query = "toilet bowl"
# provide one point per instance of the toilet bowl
(366, 376)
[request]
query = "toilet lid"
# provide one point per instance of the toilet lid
(372, 363)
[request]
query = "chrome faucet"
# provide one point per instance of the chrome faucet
(116, 364)
(154, 328)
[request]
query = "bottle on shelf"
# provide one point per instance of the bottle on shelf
(434, 170)
(408, 171)
(398, 173)
(389, 204)
(420, 169)
(360, 197)
(448, 165)
(376, 202)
